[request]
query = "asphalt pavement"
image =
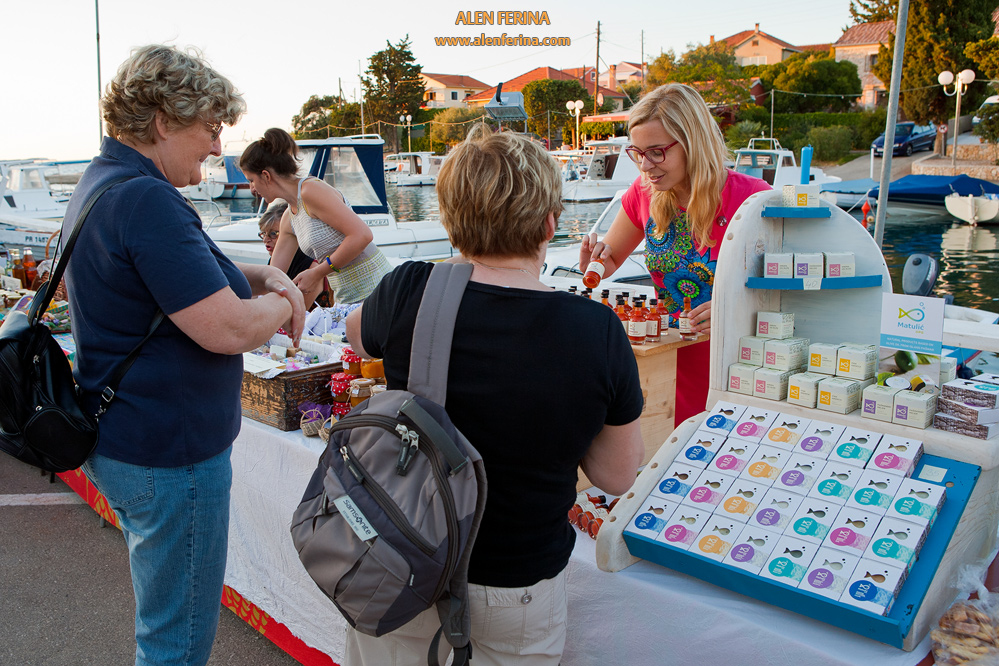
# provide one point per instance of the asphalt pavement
(65, 591)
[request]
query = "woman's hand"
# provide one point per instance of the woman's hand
(592, 249)
(279, 283)
(700, 318)
(311, 280)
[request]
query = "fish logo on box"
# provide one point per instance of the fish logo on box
(771, 358)
(915, 314)
(745, 353)
(901, 412)
(834, 270)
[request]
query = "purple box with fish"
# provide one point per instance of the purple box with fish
(819, 438)
(776, 509)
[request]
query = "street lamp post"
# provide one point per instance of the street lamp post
(964, 79)
(407, 120)
(575, 107)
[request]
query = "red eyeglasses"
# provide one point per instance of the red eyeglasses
(655, 155)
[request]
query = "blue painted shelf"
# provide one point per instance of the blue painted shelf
(960, 479)
(796, 211)
(791, 284)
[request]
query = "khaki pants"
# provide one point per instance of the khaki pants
(524, 626)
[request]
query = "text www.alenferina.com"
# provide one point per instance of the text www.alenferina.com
(503, 18)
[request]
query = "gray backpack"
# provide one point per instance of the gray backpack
(387, 522)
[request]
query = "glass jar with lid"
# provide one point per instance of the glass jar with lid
(360, 390)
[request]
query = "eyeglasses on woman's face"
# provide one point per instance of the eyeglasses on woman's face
(264, 235)
(215, 129)
(654, 155)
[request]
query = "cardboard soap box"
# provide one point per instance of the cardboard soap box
(775, 325)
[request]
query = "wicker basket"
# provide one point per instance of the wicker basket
(312, 422)
(324, 429)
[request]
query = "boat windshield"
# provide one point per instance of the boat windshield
(345, 173)
(758, 164)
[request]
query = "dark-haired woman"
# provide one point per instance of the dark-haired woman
(318, 221)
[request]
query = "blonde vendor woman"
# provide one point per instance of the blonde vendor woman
(319, 221)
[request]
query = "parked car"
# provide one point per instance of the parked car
(994, 99)
(909, 137)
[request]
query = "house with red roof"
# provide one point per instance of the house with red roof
(860, 45)
(445, 90)
(586, 76)
(755, 47)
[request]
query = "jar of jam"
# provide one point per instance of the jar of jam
(340, 409)
(351, 362)
(340, 386)
(372, 368)
(360, 390)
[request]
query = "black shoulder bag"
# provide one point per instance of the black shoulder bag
(41, 420)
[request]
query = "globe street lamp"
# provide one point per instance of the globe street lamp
(407, 120)
(575, 106)
(946, 78)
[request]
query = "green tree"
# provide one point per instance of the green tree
(935, 40)
(452, 124)
(988, 126)
(814, 75)
(392, 86)
(545, 100)
(872, 11)
(326, 116)
(632, 90)
(713, 64)
(738, 135)
(985, 55)
(661, 70)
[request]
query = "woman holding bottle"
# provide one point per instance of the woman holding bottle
(680, 206)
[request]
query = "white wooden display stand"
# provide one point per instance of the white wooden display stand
(829, 314)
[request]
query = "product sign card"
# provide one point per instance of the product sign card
(911, 342)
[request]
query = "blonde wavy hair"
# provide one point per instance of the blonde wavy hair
(162, 78)
(686, 118)
(495, 190)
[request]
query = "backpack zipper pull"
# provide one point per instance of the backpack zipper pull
(410, 445)
(350, 465)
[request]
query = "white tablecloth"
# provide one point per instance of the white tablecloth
(646, 614)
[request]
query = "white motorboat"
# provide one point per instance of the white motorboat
(353, 165)
(608, 170)
(207, 189)
(38, 189)
(420, 168)
(573, 162)
(973, 209)
(224, 170)
(767, 159)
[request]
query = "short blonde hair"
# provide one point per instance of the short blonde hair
(687, 119)
(163, 78)
(495, 191)
(272, 216)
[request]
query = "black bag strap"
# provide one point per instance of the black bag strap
(40, 305)
(430, 355)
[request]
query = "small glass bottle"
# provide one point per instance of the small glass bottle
(653, 324)
(30, 268)
(683, 321)
(663, 317)
(17, 268)
(626, 295)
(636, 324)
(605, 298)
(594, 273)
(622, 314)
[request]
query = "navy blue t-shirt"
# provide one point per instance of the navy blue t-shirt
(142, 248)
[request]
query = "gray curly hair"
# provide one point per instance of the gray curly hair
(162, 78)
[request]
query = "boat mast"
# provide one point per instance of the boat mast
(97, 25)
(896, 82)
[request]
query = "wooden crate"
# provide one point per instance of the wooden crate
(275, 401)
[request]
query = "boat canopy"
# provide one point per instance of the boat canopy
(932, 189)
(353, 165)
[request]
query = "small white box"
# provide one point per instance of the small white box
(700, 448)
(771, 384)
(740, 378)
(896, 455)
(752, 548)
(751, 349)
(708, 491)
(808, 264)
(677, 481)
(683, 527)
(873, 586)
(852, 530)
(841, 264)
(820, 438)
(775, 325)
(741, 499)
(765, 465)
(778, 264)
(856, 361)
(948, 369)
(972, 414)
(733, 456)
(855, 447)
(800, 473)
(874, 491)
(836, 483)
(813, 520)
(822, 358)
(776, 509)
(754, 424)
(722, 417)
(896, 543)
(917, 502)
(789, 560)
(787, 354)
(830, 573)
(717, 537)
(803, 389)
(914, 409)
(786, 431)
(840, 395)
(800, 196)
(651, 519)
(878, 402)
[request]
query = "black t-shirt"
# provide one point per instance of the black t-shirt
(533, 378)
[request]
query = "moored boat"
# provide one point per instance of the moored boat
(767, 159)
(973, 209)
(608, 170)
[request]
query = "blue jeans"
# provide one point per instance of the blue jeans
(176, 524)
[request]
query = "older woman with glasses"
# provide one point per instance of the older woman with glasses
(680, 206)
(163, 457)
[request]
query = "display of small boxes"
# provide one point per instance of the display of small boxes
(855, 447)
(733, 456)
(972, 392)
(836, 482)
(914, 409)
(830, 573)
(839, 394)
(803, 389)
(896, 543)
(822, 358)
(751, 349)
(917, 502)
(969, 413)
(775, 325)
(808, 264)
(786, 431)
(722, 417)
(840, 264)
(853, 529)
(786, 354)
(819, 438)
(800, 473)
(776, 510)
(765, 464)
(740, 378)
(856, 361)
(754, 424)
(789, 560)
(874, 586)
(752, 548)
(677, 481)
(897, 455)
(701, 448)
(708, 490)
(874, 491)
(770, 383)
(878, 402)
(717, 537)
(813, 520)
(778, 264)
(683, 526)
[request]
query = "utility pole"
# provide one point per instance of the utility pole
(362, 95)
(641, 61)
(596, 72)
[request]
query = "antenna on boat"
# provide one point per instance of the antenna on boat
(97, 25)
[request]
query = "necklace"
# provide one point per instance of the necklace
(504, 268)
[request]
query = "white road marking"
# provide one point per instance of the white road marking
(40, 499)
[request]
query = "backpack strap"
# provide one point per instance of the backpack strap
(434, 329)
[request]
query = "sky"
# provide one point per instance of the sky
(278, 54)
